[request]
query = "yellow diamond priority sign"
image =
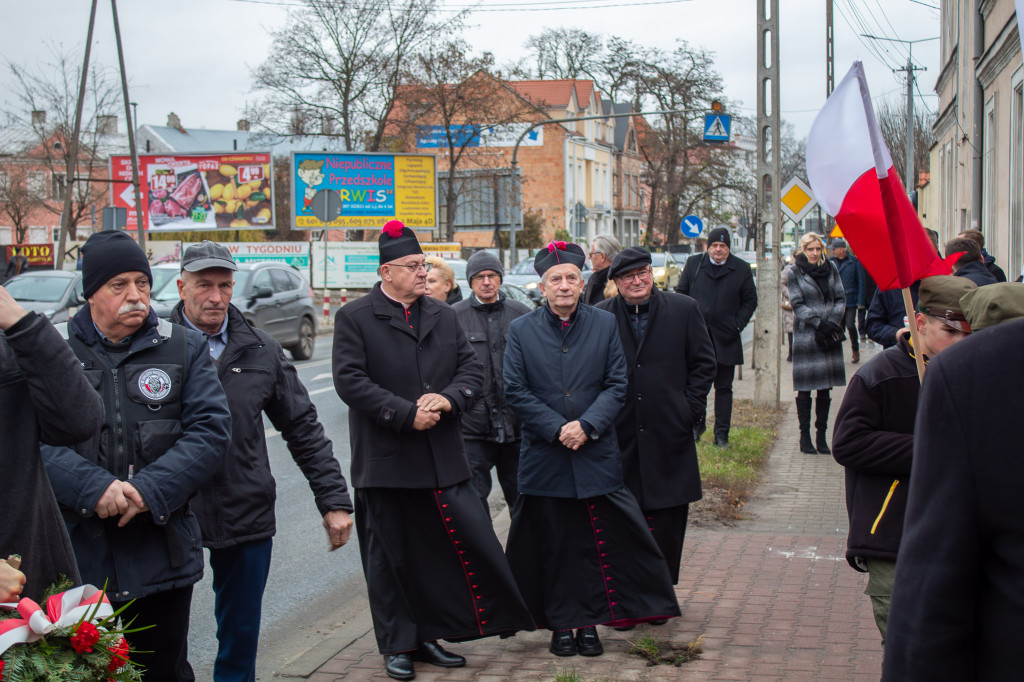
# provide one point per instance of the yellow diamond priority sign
(797, 200)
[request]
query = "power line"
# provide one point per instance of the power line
(498, 7)
(870, 47)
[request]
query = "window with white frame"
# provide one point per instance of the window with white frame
(6, 235)
(1016, 179)
(39, 234)
(57, 186)
(36, 183)
(989, 184)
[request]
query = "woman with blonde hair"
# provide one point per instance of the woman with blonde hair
(441, 281)
(818, 300)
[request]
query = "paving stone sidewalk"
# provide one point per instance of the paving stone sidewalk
(772, 598)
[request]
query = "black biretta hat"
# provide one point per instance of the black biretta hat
(397, 240)
(558, 253)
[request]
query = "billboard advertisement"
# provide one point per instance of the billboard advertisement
(185, 192)
(292, 253)
(37, 255)
(374, 188)
(350, 265)
(470, 135)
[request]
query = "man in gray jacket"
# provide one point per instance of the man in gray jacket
(236, 508)
(490, 427)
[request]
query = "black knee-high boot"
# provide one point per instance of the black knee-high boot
(821, 407)
(803, 415)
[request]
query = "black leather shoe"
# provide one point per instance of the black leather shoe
(623, 628)
(660, 621)
(399, 666)
(588, 643)
(434, 654)
(562, 643)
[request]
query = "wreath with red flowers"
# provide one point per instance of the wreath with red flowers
(87, 651)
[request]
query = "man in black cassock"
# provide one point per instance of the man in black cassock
(434, 568)
(579, 546)
(671, 364)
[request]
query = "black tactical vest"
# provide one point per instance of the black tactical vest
(141, 398)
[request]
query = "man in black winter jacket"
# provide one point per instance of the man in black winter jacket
(490, 427)
(874, 436)
(236, 507)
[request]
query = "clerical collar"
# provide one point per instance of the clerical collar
(393, 299)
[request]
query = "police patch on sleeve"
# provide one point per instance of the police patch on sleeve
(154, 383)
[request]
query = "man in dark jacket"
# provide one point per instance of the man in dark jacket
(44, 396)
(850, 272)
(490, 427)
(874, 437)
(723, 286)
(989, 260)
(602, 251)
(956, 606)
(125, 493)
(17, 265)
(886, 315)
(970, 264)
(578, 543)
(671, 362)
(236, 507)
(403, 366)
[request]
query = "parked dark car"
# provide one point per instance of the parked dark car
(57, 294)
(273, 297)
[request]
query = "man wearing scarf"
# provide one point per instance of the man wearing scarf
(434, 568)
(579, 546)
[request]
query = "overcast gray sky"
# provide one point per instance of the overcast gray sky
(194, 57)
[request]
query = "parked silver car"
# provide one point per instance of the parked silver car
(57, 294)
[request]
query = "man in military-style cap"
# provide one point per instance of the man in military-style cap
(874, 436)
(578, 545)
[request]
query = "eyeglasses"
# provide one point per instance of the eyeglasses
(414, 267)
(488, 276)
(641, 276)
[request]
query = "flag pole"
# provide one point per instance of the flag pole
(915, 337)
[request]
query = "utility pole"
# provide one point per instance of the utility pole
(140, 226)
(768, 320)
(71, 166)
(909, 180)
(830, 85)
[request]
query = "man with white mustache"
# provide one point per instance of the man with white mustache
(124, 494)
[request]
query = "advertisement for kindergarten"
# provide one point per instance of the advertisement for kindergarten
(184, 192)
(372, 189)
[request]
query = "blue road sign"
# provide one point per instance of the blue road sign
(716, 127)
(691, 226)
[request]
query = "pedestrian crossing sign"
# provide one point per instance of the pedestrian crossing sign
(716, 127)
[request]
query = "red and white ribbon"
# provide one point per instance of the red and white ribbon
(62, 610)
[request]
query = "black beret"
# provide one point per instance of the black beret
(629, 259)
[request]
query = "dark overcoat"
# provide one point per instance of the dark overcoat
(815, 369)
(957, 603)
(41, 384)
(727, 298)
(381, 367)
(555, 375)
(237, 504)
(670, 373)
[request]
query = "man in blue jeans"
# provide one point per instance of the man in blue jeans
(236, 507)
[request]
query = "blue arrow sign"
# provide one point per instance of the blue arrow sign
(691, 226)
(716, 127)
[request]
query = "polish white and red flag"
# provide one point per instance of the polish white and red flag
(852, 177)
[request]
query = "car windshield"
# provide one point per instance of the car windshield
(524, 267)
(42, 289)
(161, 275)
(458, 267)
(169, 291)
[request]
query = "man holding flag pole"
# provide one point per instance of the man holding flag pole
(852, 176)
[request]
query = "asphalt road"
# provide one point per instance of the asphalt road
(307, 584)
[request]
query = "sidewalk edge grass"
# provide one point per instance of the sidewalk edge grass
(736, 469)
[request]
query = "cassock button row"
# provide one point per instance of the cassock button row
(637, 364)
(639, 396)
(568, 393)
(564, 349)
(426, 385)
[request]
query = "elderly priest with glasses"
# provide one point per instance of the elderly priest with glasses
(434, 568)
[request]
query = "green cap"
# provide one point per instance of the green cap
(993, 303)
(939, 297)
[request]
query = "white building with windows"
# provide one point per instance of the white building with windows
(977, 162)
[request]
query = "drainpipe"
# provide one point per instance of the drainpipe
(977, 166)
